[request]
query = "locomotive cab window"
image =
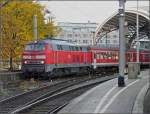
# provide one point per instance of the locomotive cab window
(35, 47)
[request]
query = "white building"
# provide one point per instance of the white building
(111, 38)
(83, 34)
(79, 33)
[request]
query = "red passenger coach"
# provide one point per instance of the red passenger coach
(109, 57)
(52, 57)
(103, 57)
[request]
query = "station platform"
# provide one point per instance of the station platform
(109, 98)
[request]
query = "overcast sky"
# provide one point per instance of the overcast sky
(84, 11)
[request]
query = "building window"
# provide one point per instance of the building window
(69, 35)
(108, 41)
(76, 35)
(84, 35)
(114, 36)
(115, 41)
(69, 40)
(85, 41)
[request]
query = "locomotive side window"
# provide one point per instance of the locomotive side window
(76, 48)
(84, 49)
(59, 47)
(66, 47)
(72, 48)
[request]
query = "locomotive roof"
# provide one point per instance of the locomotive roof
(56, 42)
(52, 41)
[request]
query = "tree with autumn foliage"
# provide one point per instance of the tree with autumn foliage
(17, 27)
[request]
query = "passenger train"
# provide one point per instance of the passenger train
(55, 57)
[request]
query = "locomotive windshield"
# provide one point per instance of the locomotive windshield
(35, 47)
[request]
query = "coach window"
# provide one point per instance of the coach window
(128, 56)
(104, 56)
(117, 55)
(110, 55)
(96, 56)
(101, 56)
(146, 56)
(113, 55)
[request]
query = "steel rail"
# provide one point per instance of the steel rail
(13, 103)
(39, 105)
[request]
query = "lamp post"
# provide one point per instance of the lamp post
(149, 36)
(137, 34)
(138, 42)
(121, 82)
(106, 39)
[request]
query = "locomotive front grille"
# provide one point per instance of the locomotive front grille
(34, 62)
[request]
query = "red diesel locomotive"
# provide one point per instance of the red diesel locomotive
(54, 57)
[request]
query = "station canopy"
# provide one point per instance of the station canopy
(112, 24)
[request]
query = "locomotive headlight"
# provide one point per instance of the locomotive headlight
(25, 62)
(40, 57)
(26, 57)
(42, 62)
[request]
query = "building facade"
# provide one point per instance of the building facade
(79, 33)
(84, 33)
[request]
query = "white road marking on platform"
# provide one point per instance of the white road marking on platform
(104, 99)
(114, 97)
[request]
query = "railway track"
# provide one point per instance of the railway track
(53, 103)
(9, 105)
